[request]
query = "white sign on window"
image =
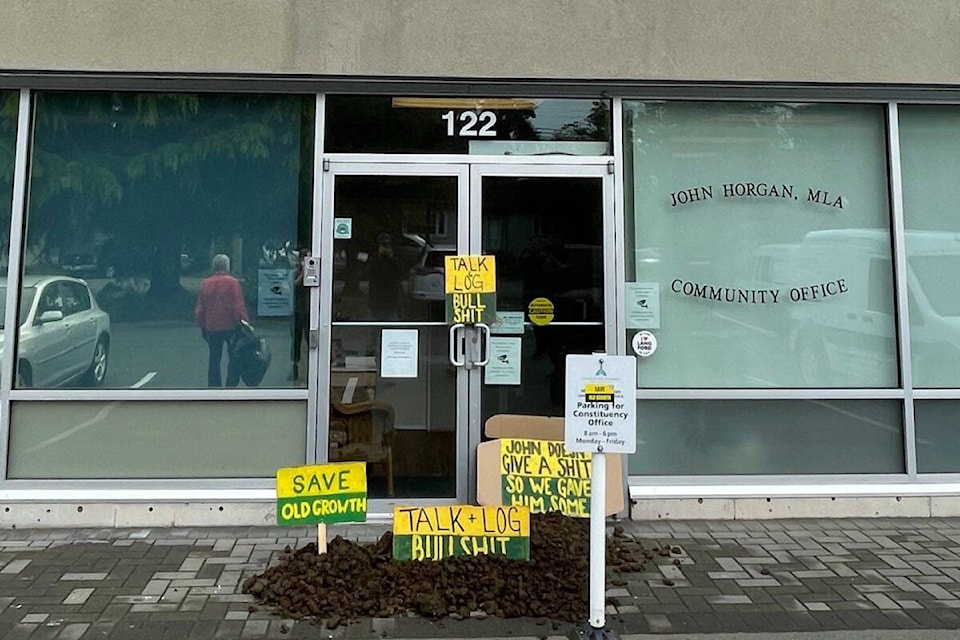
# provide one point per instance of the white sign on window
(642, 304)
(398, 353)
(274, 292)
(508, 322)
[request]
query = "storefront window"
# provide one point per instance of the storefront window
(478, 126)
(930, 158)
(132, 198)
(740, 437)
(758, 245)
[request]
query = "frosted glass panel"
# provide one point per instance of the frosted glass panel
(156, 439)
(938, 436)
(930, 154)
(760, 232)
(739, 437)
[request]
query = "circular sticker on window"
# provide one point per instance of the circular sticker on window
(644, 343)
(540, 311)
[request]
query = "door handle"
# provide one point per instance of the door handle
(454, 328)
(485, 331)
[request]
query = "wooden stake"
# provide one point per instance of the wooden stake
(322, 538)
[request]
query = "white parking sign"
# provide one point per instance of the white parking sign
(601, 405)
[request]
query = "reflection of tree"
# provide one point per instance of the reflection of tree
(594, 126)
(159, 173)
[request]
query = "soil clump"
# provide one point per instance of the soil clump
(354, 580)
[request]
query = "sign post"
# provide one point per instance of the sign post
(600, 417)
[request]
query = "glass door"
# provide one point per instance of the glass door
(392, 395)
(407, 392)
(548, 228)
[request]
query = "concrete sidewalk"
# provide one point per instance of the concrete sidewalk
(719, 577)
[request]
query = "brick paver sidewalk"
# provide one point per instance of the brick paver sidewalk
(707, 577)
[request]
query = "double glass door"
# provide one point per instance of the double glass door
(407, 392)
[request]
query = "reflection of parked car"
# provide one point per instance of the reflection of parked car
(426, 279)
(64, 335)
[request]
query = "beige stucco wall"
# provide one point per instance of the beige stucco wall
(888, 41)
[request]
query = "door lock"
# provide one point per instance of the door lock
(311, 271)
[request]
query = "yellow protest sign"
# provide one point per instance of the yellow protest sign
(470, 284)
(470, 274)
(544, 476)
(434, 533)
(323, 493)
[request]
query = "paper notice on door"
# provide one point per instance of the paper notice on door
(504, 364)
(399, 353)
(642, 304)
(508, 322)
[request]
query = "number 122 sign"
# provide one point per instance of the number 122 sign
(473, 124)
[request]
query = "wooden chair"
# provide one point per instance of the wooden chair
(364, 432)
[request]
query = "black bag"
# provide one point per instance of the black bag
(250, 354)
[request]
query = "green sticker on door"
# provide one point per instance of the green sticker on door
(342, 228)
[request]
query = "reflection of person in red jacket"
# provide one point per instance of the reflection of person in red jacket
(219, 310)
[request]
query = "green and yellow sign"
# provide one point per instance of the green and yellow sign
(322, 494)
(434, 533)
(470, 284)
(544, 476)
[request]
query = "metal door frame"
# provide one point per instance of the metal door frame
(469, 172)
(320, 376)
(481, 170)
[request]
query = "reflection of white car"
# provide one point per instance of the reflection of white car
(426, 279)
(64, 335)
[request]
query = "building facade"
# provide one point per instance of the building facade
(767, 191)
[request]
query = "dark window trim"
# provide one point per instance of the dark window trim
(518, 87)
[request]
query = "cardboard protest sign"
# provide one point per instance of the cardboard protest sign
(322, 494)
(490, 479)
(470, 285)
(434, 533)
(544, 476)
